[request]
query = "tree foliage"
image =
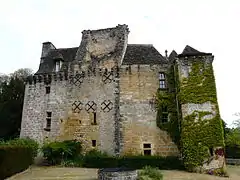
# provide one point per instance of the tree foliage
(11, 102)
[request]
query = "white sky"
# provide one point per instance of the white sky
(206, 25)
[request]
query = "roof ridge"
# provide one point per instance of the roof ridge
(65, 48)
(140, 44)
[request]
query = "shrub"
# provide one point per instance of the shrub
(25, 142)
(16, 156)
(149, 173)
(138, 162)
(76, 162)
(98, 160)
(56, 152)
(233, 151)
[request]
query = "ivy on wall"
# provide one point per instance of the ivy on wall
(195, 135)
(199, 135)
(168, 98)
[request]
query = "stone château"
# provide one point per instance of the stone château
(106, 93)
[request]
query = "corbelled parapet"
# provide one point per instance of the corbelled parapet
(107, 75)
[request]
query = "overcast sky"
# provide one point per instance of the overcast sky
(206, 25)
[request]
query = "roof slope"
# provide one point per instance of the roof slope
(135, 54)
(189, 51)
(142, 54)
(172, 56)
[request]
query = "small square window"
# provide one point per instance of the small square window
(146, 145)
(48, 90)
(94, 143)
(147, 152)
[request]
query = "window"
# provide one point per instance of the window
(162, 81)
(147, 152)
(147, 149)
(94, 118)
(146, 145)
(94, 143)
(164, 117)
(58, 65)
(48, 90)
(48, 121)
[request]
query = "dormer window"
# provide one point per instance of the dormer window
(58, 65)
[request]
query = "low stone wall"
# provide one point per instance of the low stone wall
(232, 161)
(117, 174)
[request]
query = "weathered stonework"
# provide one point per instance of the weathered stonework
(138, 116)
(104, 91)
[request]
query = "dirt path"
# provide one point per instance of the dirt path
(57, 173)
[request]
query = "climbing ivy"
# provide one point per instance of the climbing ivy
(198, 135)
(194, 134)
(168, 98)
(199, 87)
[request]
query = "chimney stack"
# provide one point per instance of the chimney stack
(166, 54)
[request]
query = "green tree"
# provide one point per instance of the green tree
(233, 137)
(11, 103)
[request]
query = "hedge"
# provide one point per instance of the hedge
(137, 162)
(233, 152)
(14, 159)
(16, 155)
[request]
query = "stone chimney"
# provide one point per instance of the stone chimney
(166, 54)
(46, 47)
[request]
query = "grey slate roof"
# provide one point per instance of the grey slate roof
(135, 54)
(142, 54)
(65, 54)
(172, 56)
(189, 51)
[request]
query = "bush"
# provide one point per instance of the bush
(98, 160)
(149, 173)
(233, 151)
(138, 162)
(16, 155)
(76, 162)
(27, 142)
(56, 152)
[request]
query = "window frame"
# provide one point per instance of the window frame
(147, 147)
(94, 120)
(165, 114)
(48, 121)
(47, 89)
(162, 80)
(94, 143)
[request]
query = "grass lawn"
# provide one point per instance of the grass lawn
(54, 173)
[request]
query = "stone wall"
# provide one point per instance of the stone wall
(138, 86)
(90, 85)
(123, 102)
